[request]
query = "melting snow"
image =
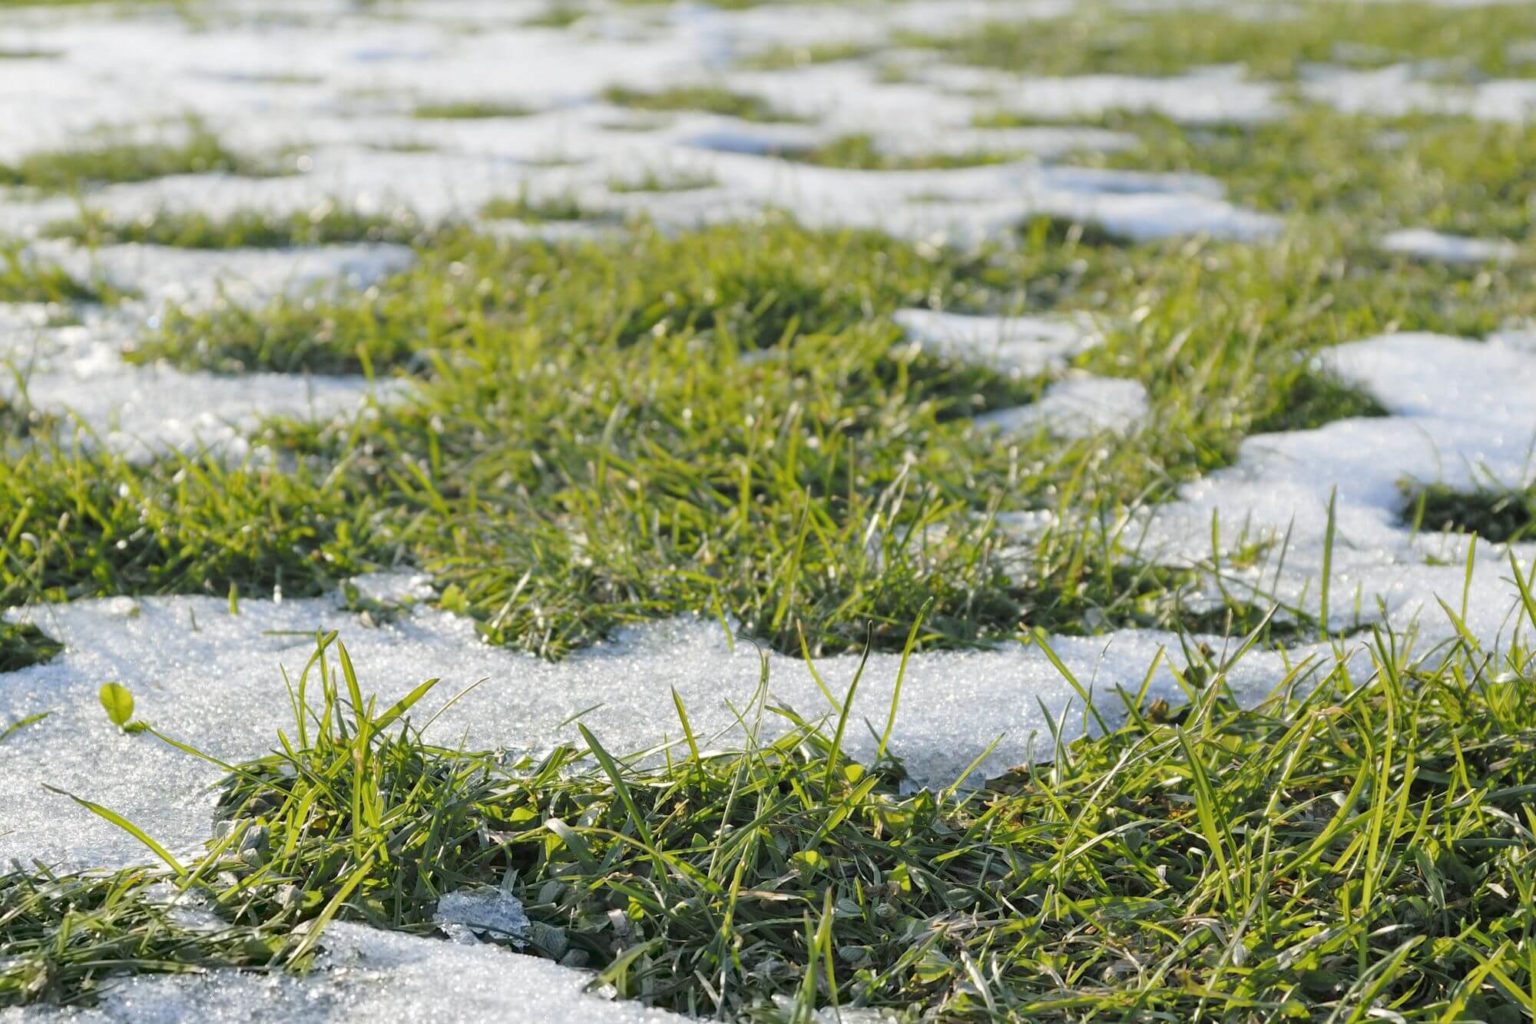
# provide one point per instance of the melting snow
(1434, 245)
(1463, 414)
(342, 84)
(1080, 405)
(1021, 346)
(366, 975)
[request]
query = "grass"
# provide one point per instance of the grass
(783, 58)
(705, 98)
(653, 180)
(1448, 173)
(1500, 515)
(23, 644)
(554, 207)
(556, 15)
(326, 224)
(115, 162)
(81, 522)
(20, 419)
(463, 110)
(1357, 841)
(862, 153)
(720, 421)
(1273, 42)
(25, 279)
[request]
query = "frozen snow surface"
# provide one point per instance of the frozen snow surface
(1020, 346)
(1462, 413)
(1424, 244)
(367, 975)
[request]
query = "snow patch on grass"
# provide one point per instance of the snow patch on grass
(366, 974)
(1424, 244)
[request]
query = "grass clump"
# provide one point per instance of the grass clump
(1312, 399)
(523, 206)
(556, 15)
(466, 110)
(66, 938)
(1355, 842)
(659, 181)
(723, 422)
(783, 58)
(23, 644)
(1453, 174)
(1272, 42)
(85, 523)
(113, 162)
(24, 279)
(1500, 515)
(708, 99)
(863, 153)
(327, 224)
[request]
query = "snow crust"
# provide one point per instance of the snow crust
(341, 84)
(211, 679)
(1021, 346)
(1463, 413)
(1079, 405)
(1424, 244)
(367, 975)
(139, 411)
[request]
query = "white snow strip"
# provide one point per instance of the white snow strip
(1216, 95)
(366, 975)
(1401, 89)
(1421, 243)
(1080, 405)
(341, 85)
(1463, 414)
(1022, 346)
(211, 679)
(194, 277)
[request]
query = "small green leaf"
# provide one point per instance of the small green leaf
(118, 702)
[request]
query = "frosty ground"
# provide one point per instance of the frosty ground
(918, 510)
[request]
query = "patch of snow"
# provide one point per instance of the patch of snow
(1400, 89)
(1080, 405)
(365, 974)
(1463, 413)
(211, 679)
(1216, 95)
(192, 277)
(1023, 346)
(341, 84)
(139, 411)
(1424, 244)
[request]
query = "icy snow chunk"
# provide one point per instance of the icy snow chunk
(365, 974)
(162, 274)
(139, 411)
(1424, 244)
(1024, 346)
(396, 586)
(1463, 414)
(1078, 406)
(1208, 95)
(469, 915)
